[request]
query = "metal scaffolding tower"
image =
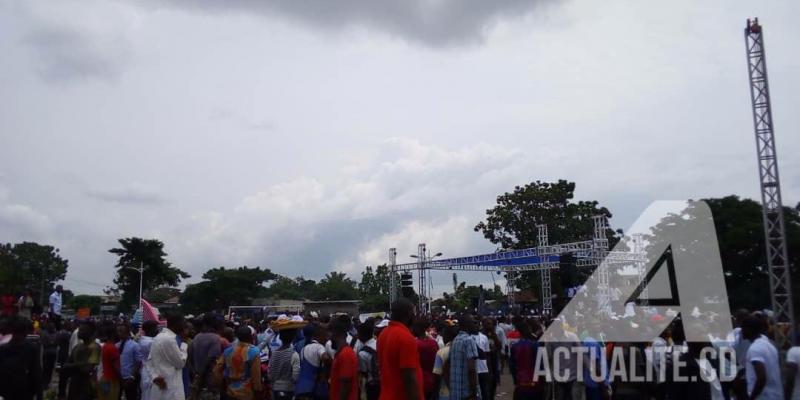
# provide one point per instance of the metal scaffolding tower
(777, 259)
(638, 248)
(392, 275)
(542, 239)
(542, 258)
(423, 282)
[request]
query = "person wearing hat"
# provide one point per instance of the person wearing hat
(284, 365)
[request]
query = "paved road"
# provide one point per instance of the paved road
(506, 389)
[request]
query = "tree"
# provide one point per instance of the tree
(284, 287)
(86, 301)
(30, 265)
(466, 297)
(223, 287)
(149, 254)
(740, 234)
(336, 286)
(511, 223)
(374, 288)
(162, 294)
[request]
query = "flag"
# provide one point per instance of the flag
(149, 313)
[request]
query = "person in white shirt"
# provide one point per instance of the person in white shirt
(793, 373)
(166, 361)
(55, 306)
(149, 332)
(481, 366)
(367, 369)
(501, 336)
(762, 366)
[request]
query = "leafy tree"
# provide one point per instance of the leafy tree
(30, 265)
(134, 253)
(200, 297)
(511, 224)
(740, 235)
(374, 288)
(86, 301)
(336, 286)
(309, 288)
(283, 287)
(223, 287)
(466, 297)
(162, 294)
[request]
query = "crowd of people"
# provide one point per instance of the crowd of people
(402, 357)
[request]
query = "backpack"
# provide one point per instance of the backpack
(373, 373)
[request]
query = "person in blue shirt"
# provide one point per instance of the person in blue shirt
(595, 372)
(129, 361)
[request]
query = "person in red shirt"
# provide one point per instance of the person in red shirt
(427, 348)
(398, 358)
(344, 371)
(108, 381)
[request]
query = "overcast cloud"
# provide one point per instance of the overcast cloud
(312, 136)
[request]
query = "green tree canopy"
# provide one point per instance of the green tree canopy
(374, 288)
(29, 265)
(162, 294)
(223, 287)
(740, 234)
(284, 287)
(466, 297)
(134, 253)
(511, 223)
(336, 286)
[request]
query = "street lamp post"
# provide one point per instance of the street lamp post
(141, 280)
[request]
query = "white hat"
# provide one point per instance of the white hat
(383, 324)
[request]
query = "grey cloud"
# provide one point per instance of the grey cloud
(20, 220)
(132, 194)
(66, 55)
(432, 22)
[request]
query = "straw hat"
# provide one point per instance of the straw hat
(284, 322)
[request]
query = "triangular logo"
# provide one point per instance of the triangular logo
(654, 282)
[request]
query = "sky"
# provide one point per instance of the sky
(308, 137)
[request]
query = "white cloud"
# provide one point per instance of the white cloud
(410, 194)
(79, 41)
(23, 221)
(279, 146)
(134, 193)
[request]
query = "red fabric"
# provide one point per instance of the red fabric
(397, 350)
(8, 304)
(345, 365)
(427, 349)
(148, 312)
(110, 362)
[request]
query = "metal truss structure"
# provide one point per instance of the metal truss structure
(544, 258)
(777, 258)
